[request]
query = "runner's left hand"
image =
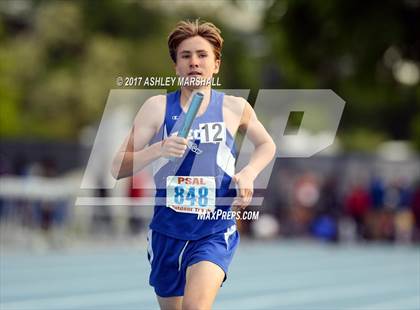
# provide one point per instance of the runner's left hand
(245, 188)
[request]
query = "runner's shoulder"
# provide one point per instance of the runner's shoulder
(238, 106)
(152, 111)
(155, 105)
(235, 104)
(156, 102)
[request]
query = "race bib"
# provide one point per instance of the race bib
(212, 132)
(189, 194)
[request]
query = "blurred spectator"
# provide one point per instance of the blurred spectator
(4, 170)
(305, 197)
(48, 214)
(415, 208)
(325, 224)
(23, 209)
(329, 200)
(102, 220)
(377, 192)
(357, 205)
(403, 220)
(379, 221)
(20, 166)
(135, 191)
(325, 227)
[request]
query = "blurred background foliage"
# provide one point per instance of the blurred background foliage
(59, 59)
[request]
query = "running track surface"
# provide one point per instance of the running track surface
(263, 275)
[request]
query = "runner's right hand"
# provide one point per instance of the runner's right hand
(174, 146)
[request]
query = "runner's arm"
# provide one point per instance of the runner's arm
(263, 153)
(134, 154)
(265, 148)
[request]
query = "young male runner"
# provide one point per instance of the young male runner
(190, 257)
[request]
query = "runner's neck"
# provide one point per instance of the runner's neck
(186, 95)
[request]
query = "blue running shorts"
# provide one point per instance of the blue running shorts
(170, 258)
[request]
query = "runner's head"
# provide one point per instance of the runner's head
(195, 48)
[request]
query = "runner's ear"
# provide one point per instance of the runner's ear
(216, 66)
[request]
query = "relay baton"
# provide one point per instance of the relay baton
(190, 116)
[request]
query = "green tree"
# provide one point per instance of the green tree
(347, 46)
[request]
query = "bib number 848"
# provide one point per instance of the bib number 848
(181, 195)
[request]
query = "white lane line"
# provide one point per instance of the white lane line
(412, 302)
(63, 283)
(309, 278)
(82, 300)
(77, 263)
(313, 294)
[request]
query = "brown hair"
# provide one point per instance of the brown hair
(188, 29)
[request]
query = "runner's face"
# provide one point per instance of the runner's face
(195, 57)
